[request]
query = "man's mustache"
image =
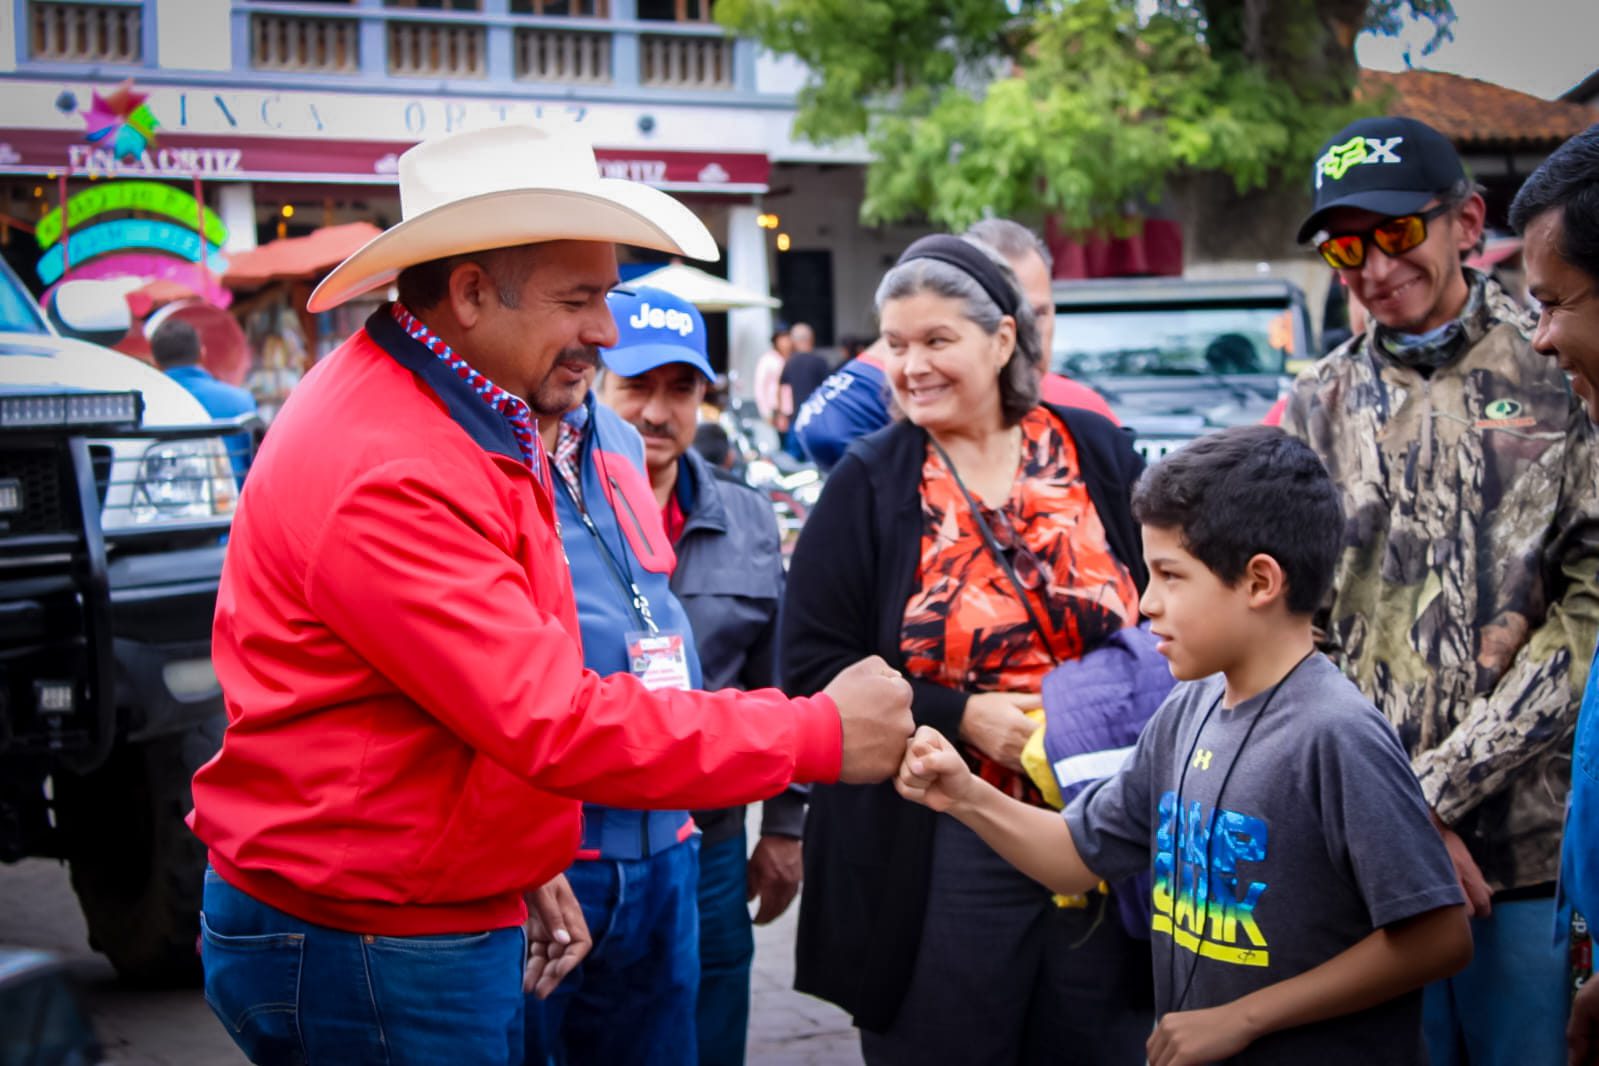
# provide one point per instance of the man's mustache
(655, 429)
(586, 354)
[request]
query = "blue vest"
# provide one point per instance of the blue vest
(630, 548)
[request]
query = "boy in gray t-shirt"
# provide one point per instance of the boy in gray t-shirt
(1301, 895)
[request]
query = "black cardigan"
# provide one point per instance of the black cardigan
(868, 852)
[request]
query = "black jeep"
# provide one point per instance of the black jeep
(1178, 357)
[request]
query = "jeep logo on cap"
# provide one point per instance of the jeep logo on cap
(660, 318)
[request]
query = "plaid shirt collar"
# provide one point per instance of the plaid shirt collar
(514, 410)
(569, 450)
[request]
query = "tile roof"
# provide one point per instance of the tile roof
(1472, 112)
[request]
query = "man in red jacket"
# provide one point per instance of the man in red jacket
(410, 726)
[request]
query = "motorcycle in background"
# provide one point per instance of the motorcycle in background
(792, 485)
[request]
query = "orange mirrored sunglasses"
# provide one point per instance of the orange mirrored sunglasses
(1395, 236)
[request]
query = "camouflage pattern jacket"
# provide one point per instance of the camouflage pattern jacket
(1465, 604)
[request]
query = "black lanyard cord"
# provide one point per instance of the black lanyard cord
(621, 569)
(998, 553)
(1210, 838)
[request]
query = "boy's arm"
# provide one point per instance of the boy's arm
(1034, 840)
(1388, 963)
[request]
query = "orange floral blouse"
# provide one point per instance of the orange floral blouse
(964, 627)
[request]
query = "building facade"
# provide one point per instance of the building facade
(283, 118)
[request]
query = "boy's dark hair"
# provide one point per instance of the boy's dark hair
(1568, 181)
(1247, 491)
(176, 343)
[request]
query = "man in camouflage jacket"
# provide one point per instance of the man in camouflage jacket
(1466, 601)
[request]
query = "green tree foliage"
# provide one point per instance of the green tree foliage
(1081, 107)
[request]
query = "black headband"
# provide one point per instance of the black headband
(970, 260)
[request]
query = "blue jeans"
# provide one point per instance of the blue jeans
(291, 992)
(727, 949)
(632, 1000)
(1509, 1007)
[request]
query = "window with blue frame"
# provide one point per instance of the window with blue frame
(111, 32)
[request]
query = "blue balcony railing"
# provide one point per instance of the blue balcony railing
(416, 43)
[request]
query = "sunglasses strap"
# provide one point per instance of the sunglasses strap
(992, 544)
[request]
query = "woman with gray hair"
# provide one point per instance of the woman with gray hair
(974, 544)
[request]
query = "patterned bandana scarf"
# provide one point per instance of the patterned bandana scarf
(514, 409)
(1428, 351)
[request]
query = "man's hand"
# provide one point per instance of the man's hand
(874, 704)
(1582, 1033)
(1479, 897)
(557, 936)
(933, 772)
(995, 724)
(774, 874)
(1191, 1037)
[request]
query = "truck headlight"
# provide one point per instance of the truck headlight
(183, 479)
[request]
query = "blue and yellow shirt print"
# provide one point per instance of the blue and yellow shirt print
(1201, 897)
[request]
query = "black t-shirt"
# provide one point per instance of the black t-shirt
(804, 373)
(1322, 836)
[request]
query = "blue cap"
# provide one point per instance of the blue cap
(653, 328)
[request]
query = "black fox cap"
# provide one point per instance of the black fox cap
(1390, 165)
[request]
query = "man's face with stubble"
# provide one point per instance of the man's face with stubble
(567, 383)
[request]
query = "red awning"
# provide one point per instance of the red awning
(297, 257)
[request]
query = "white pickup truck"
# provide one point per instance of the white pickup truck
(116, 492)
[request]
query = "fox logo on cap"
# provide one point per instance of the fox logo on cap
(1388, 165)
(1354, 152)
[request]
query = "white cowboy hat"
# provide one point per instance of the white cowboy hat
(509, 185)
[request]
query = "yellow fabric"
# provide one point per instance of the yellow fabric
(1036, 764)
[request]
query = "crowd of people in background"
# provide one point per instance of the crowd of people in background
(1260, 754)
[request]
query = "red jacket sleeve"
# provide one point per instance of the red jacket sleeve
(433, 598)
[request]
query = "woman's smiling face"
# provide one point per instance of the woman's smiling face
(943, 368)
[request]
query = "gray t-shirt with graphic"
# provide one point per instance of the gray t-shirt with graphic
(1322, 836)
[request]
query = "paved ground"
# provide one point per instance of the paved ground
(177, 1029)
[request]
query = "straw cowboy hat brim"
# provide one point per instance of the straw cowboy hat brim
(507, 186)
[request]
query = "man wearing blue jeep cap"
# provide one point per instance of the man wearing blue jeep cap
(631, 1000)
(729, 579)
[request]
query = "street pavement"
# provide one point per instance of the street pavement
(176, 1028)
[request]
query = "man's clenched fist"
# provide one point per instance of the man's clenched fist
(874, 703)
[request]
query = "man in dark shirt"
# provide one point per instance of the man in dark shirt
(802, 375)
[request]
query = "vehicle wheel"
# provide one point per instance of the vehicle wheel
(137, 870)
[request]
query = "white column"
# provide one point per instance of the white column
(8, 43)
(749, 330)
(236, 206)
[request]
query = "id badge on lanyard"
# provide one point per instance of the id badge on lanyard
(659, 659)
